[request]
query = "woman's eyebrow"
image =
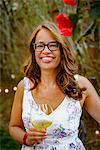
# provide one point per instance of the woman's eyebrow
(47, 43)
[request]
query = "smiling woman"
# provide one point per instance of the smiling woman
(48, 102)
(49, 56)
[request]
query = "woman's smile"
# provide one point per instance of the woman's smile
(47, 59)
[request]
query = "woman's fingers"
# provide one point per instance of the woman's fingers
(36, 138)
(36, 132)
(36, 135)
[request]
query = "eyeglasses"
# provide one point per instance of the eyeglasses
(52, 46)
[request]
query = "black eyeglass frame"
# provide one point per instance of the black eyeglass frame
(34, 45)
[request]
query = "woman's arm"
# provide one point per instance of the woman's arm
(16, 129)
(16, 124)
(92, 99)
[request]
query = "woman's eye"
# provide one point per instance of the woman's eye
(53, 45)
(40, 45)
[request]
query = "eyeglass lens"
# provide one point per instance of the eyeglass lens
(52, 46)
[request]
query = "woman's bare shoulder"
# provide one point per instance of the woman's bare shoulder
(20, 84)
(18, 97)
(90, 90)
(83, 82)
(20, 88)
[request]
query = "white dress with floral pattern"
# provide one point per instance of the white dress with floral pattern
(63, 133)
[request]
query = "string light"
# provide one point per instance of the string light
(14, 88)
(6, 90)
(97, 132)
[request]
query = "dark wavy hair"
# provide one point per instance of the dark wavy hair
(66, 69)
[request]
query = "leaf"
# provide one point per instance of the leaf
(73, 17)
(95, 10)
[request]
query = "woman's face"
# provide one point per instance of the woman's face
(47, 57)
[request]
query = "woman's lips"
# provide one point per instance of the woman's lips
(47, 59)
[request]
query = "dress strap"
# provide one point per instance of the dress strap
(76, 76)
(26, 83)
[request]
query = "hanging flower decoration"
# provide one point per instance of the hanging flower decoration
(70, 2)
(65, 24)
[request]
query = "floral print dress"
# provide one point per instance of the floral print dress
(63, 133)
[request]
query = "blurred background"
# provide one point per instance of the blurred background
(17, 21)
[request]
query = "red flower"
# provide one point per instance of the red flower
(65, 24)
(70, 2)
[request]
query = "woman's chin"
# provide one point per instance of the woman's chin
(48, 68)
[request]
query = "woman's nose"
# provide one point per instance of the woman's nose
(46, 49)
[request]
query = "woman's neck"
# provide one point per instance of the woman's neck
(48, 78)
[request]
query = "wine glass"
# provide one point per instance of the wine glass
(43, 122)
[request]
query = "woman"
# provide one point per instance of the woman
(50, 81)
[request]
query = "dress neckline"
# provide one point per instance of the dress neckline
(66, 98)
(59, 106)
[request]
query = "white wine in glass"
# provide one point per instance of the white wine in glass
(41, 124)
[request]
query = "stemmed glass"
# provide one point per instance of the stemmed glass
(43, 122)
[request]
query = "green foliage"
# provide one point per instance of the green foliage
(18, 18)
(74, 17)
(95, 10)
(7, 143)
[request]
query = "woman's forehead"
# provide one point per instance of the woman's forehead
(44, 34)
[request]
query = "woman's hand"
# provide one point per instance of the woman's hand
(35, 136)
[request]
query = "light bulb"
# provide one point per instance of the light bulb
(97, 132)
(6, 90)
(14, 88)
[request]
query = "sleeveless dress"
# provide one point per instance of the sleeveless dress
(63, 133)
